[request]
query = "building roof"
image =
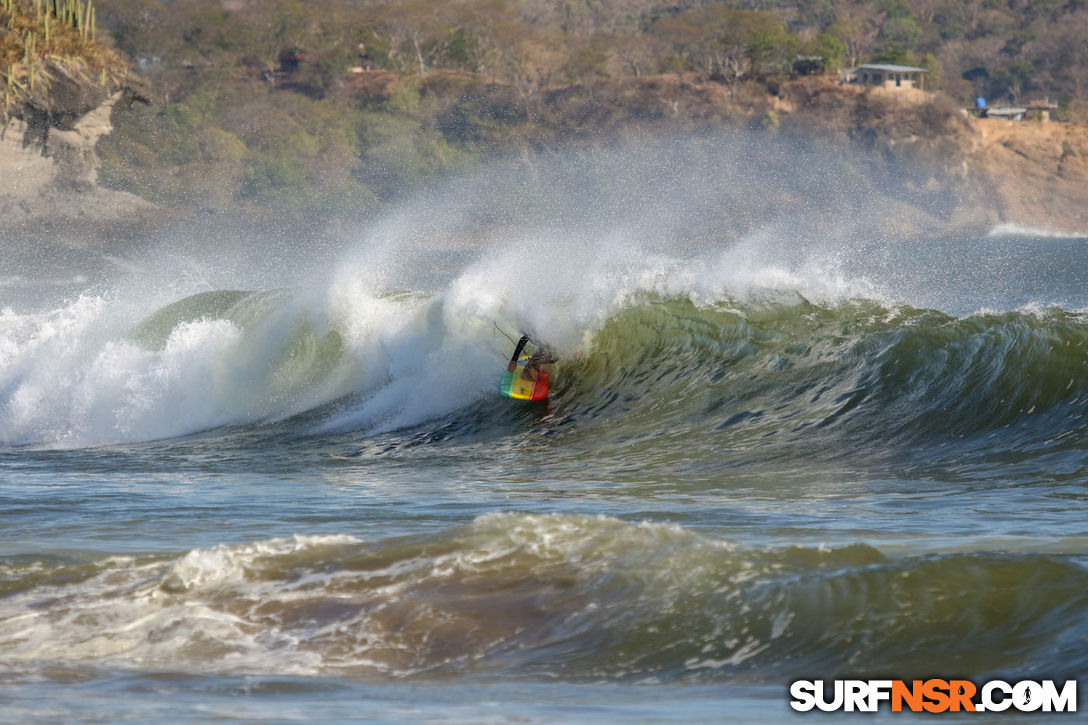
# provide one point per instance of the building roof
(892, 68)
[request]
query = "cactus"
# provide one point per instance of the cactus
(52, 36)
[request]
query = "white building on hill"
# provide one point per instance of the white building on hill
(886, 75)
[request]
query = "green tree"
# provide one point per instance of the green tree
(1014, 77)
(901, 32)
(857, 26)
(895, 8)
(829, 47)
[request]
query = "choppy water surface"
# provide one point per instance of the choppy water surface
(763, 459)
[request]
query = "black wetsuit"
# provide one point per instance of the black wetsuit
(543, 355)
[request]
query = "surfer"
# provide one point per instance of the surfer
(543, 355)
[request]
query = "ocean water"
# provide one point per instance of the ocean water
(254, 479)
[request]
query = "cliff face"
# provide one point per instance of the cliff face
(931, 167)
(50, 168)
(962, 171)
(1039, 171)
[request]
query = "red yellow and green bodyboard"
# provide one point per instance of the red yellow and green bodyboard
(517, 387)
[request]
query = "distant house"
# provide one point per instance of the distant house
(1034, 111)
(887, 76)
(1040, 109)
(1007, 113)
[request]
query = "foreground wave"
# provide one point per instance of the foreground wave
(557, 596)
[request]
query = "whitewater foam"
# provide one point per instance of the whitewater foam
(1011, 229)
(562, 596)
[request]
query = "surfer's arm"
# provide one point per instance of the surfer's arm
(517, 351)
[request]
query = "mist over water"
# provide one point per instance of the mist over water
(786, 437)
(555, 246)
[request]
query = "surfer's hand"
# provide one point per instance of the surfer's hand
(511, 367)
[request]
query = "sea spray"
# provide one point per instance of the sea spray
(398, 326)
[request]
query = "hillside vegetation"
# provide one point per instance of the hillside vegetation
(339, 105)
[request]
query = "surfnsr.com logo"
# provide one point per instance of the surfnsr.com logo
(933, 695)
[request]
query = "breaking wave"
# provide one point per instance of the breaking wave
(695, 285)
(787, 377)
(558, 596)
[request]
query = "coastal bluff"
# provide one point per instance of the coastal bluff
(988, 171)
(1039, 171)
(48, 161)
(948, 170)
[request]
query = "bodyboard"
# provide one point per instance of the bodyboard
(516, 387)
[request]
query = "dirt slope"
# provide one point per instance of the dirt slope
(1040, 170)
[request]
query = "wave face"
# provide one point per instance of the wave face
(574, 597)
(853, 380)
